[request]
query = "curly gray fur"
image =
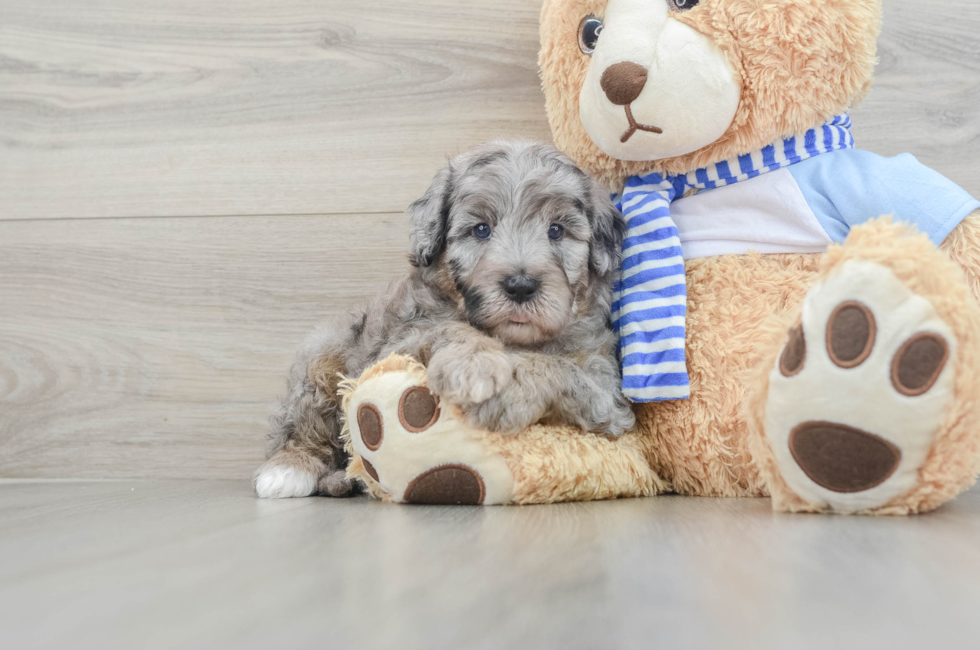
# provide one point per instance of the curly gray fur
(508, 363)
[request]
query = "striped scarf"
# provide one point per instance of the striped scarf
(650, 307)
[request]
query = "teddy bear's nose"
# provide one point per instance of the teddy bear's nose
(623, 82)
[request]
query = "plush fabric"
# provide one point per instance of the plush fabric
(952, 460)
(649, 309)
(456, 464)
(800, 62)
(963, 247)
(853, 187)
(651, 74)
(808, 206)
(740, 313)
(426, 460)
(784, 351)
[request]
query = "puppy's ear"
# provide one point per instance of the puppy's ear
(608, 232)
(430, 219)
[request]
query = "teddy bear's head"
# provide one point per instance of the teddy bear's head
(634, 86)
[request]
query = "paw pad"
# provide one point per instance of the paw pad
(860, 389)
(794, 354)
(371, 425)
(851, 334)
(419, 451)
(418, 409)
(841, 458)
(919, 363)
(447, 485)
(369, 468)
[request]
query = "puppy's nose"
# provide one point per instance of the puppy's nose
(520, 288)
(623, 82)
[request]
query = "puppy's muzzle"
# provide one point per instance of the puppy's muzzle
(520, 288)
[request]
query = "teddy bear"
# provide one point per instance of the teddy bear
(798, 318)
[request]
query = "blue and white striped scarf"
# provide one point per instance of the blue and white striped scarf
(650, 308)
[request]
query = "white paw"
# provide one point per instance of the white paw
(469, 379)
(273, 481)
(859, 390)
(418, 449)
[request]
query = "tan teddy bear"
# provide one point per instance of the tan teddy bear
(798, 318)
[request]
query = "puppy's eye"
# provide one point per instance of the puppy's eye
(556, 232)
(481, 231)
(588, 33)
(683, 5)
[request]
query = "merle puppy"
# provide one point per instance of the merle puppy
(507, 303)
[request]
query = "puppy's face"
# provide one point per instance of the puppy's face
(522, 236)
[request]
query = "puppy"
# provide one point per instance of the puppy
(514, 251)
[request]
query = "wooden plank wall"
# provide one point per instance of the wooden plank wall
(186, 187)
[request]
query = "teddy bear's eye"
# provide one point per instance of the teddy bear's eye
(588, 33)
(683, 5)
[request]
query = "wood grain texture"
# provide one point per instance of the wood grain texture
(155, 347)
(926, 97)
(243, 107)
(205, 565)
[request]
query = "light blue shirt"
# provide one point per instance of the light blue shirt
(847, 188)
(807, 206)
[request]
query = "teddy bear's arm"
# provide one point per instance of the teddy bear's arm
(963, 246)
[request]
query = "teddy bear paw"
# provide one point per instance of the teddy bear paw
(416, 449)
(859, 390)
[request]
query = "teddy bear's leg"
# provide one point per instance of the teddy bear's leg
(408, 447)
(963, 247)
(870, 404)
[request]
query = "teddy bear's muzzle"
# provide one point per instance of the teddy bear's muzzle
(622, 83)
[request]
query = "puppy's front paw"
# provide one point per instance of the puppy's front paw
(468, 379)
(621, 420)
(502, 413)
(609, 414)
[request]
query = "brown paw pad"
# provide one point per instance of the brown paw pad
(418, 409)
(841, 458)
(447, 485)
(918, 364)
(794, 354)
(371, 425)
(369, 468)
(851, 333)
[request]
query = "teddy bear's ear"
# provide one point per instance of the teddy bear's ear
(608, 232)
(430, 219)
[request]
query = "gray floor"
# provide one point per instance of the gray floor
(203, 564)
